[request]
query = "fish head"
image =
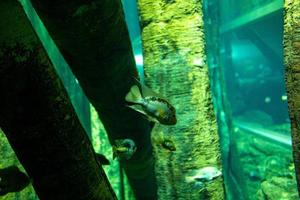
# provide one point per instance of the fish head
(169, 144)
(206, 174)
(124, 148)
(172, 115)
(134, 149)
(173, 120)
(129, 143)
(126, 143)
(169, 117)
(217, 174)
(214, 172)
(209, 173)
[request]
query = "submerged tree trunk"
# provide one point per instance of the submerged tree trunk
(292, 74)
(93, 38)
(174, 60)
(39, 120)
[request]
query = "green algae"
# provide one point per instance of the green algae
(9, 158)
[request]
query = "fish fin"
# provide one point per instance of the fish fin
(149, 118)
(102, 159)
(137, 108)
(134, 95)
(146, 92)
(152, 119)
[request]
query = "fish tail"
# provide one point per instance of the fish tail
(134, 95)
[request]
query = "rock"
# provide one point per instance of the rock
(278, 188)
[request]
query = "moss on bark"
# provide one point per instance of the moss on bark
(175, 66)
(292, 74)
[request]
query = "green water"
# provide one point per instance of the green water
(247, 80)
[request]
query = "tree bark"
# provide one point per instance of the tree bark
(175, 66)
(94, 40)
(39, 120)
(292, 74)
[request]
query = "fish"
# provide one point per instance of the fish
(204, 175)
(255, 175)
(152, 105)
(102, 159)
(124, 149)
(164, 141)
(12, 180)
(168, 144)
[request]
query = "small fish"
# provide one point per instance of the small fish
(255, 175)
(12, 180)
(154, 107)
(204, 175)
(102, 159)
(168, 144)
(124, 149)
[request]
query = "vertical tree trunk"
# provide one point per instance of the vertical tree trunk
(292, 74)
(174, 58)
(39, 120)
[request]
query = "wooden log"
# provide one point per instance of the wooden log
(292, 74)
(39, 120)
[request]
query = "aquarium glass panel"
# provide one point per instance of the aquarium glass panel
(245, 57)
(132, 20)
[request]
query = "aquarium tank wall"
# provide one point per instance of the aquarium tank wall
(245, 48)
(220, 63)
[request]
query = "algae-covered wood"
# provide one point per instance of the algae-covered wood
(175, 66)
(38, 119)
(43, 129)
(292, 73)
